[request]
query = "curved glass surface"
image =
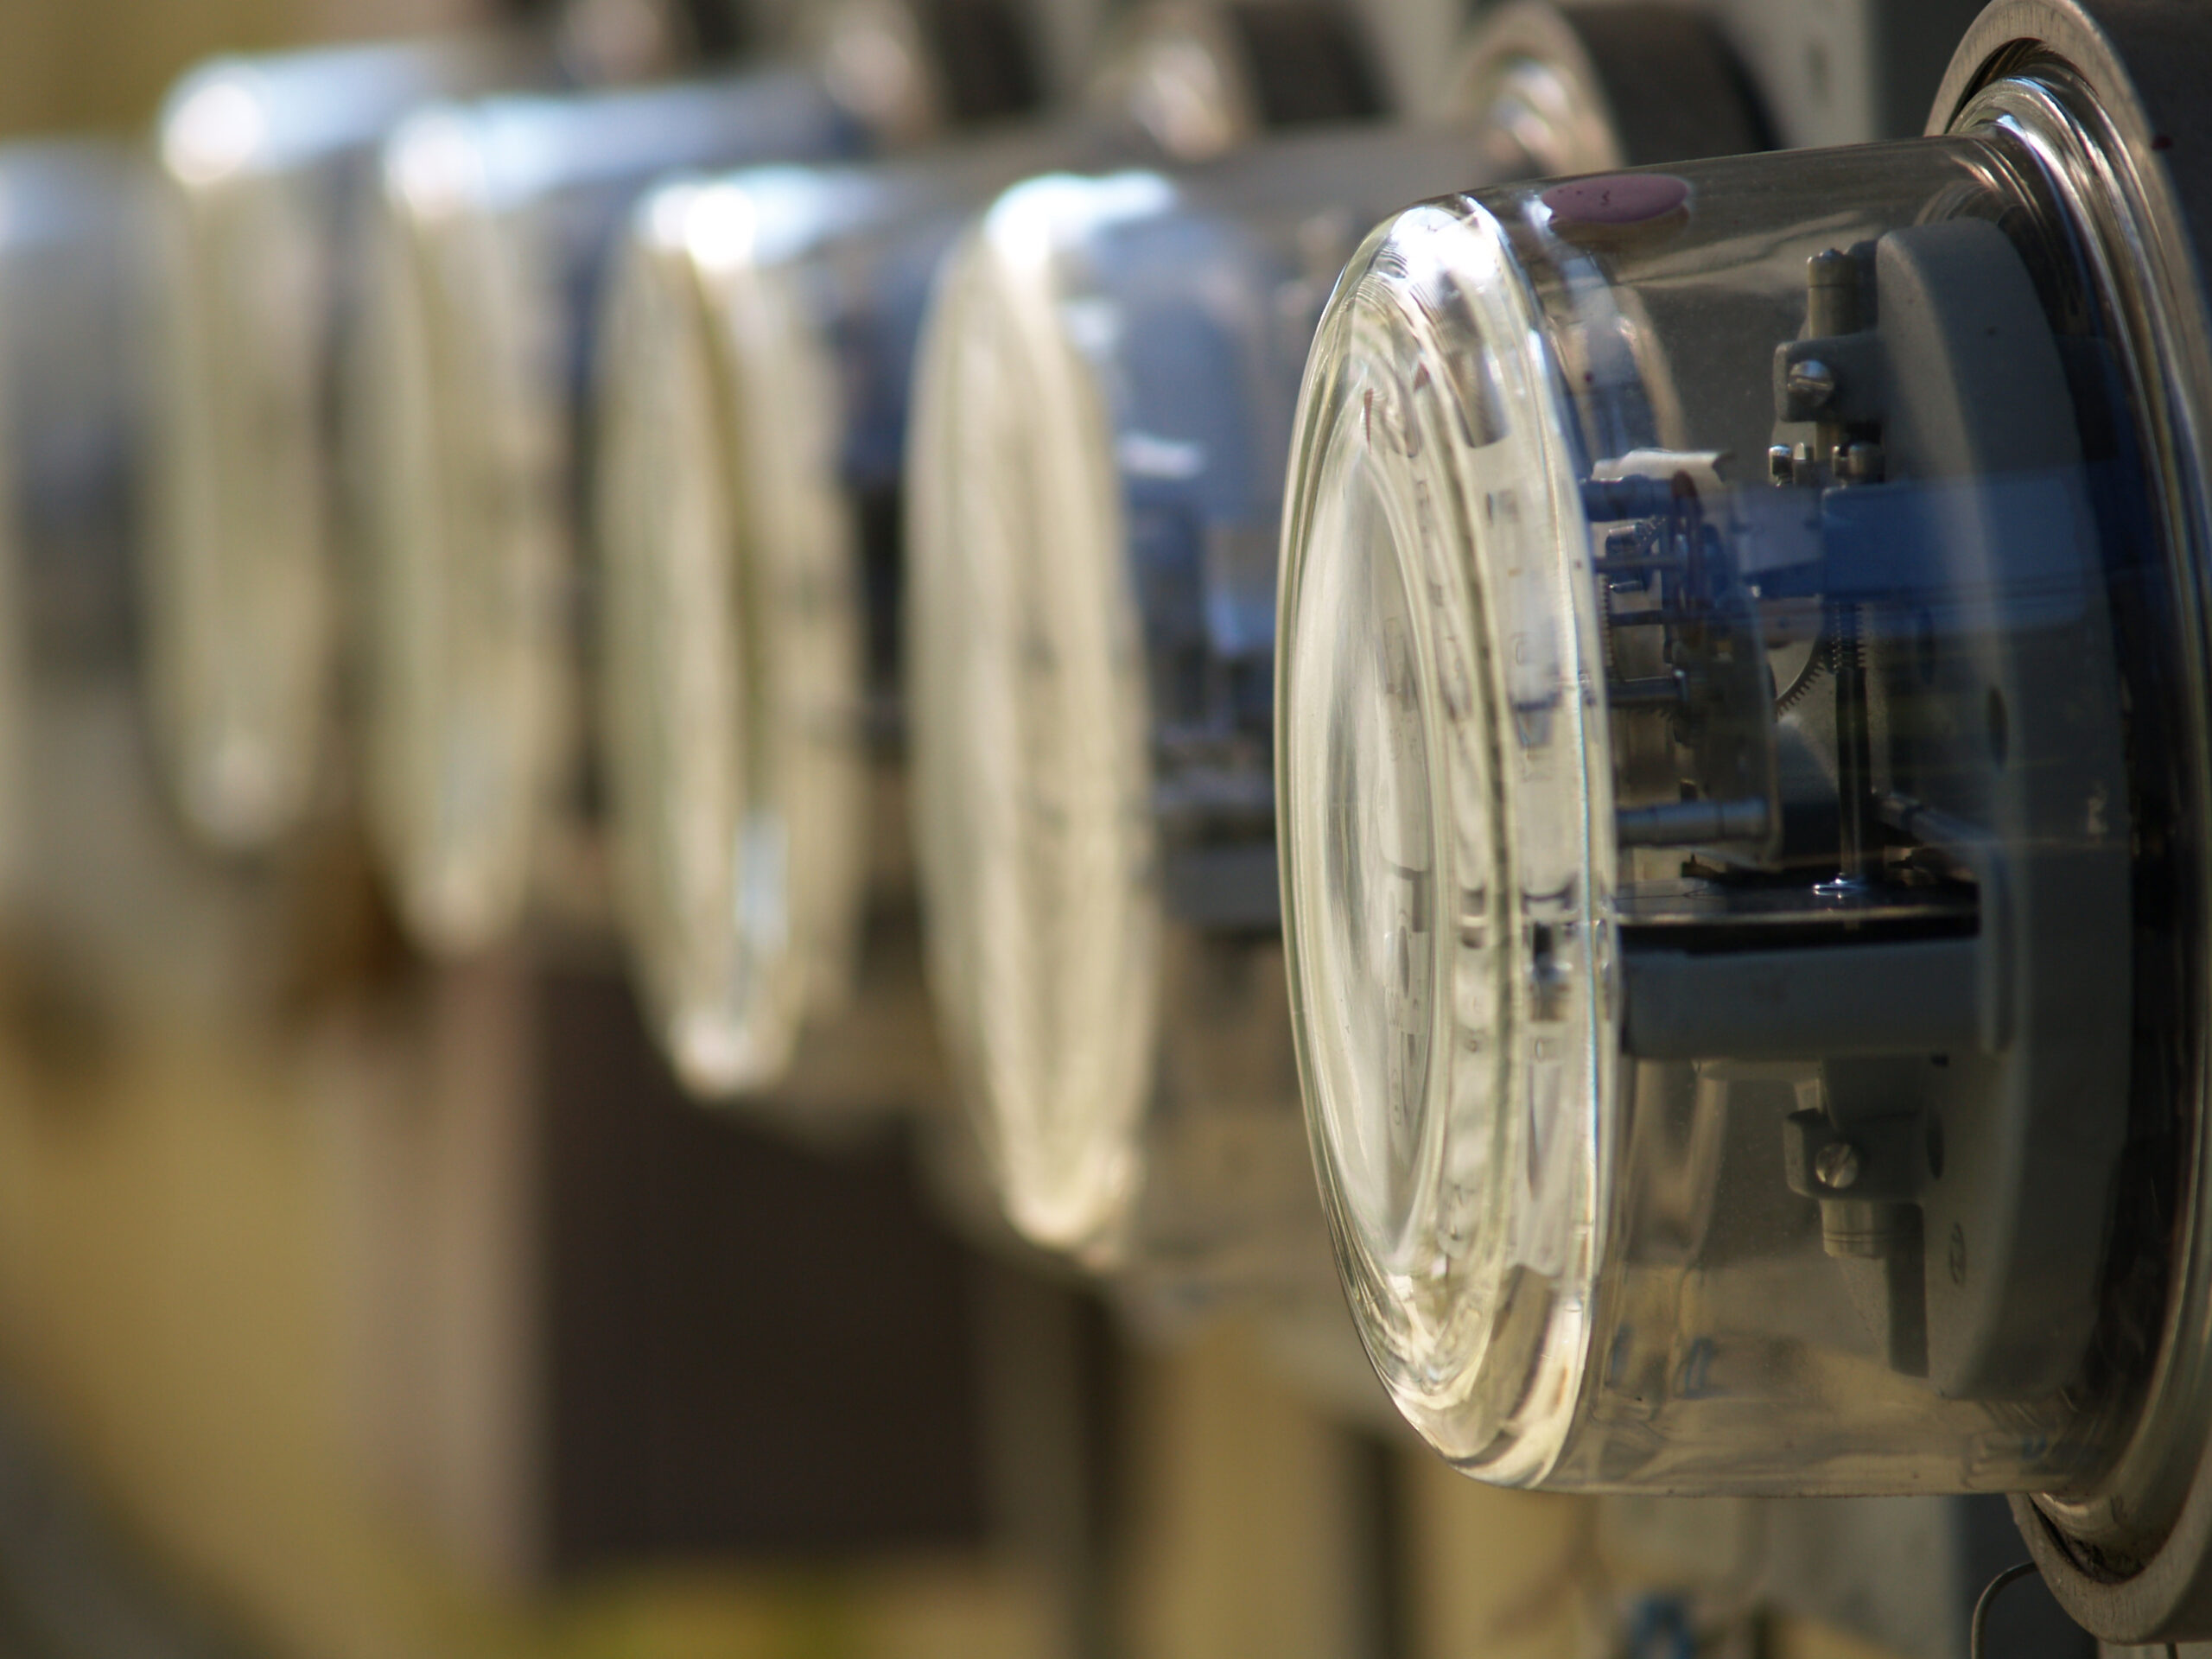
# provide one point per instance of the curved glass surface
(733, 656)
(1439, 881)
(765, 330)
(1037, 860)
(1717, 717)
(262, 172)
(1143, 334)
(497, 221)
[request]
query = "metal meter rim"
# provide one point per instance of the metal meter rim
(2134, 1565)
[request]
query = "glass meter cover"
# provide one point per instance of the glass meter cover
(1727, 668)
(762, 350)
(1103, 424)
(496, 220)
(262, 174)
(753, 417)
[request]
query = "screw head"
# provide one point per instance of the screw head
(1837, 1165)
(1812, 382)
(1861, 462)
(1777, 463)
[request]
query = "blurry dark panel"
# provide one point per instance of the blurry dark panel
(1307, 62)
(986, 58)
(1913, 41)
(1055, 1408)
(753, 1348)
(2026, 1621)
(1703, 104)
(714, 30)
(1385, 1580)
(717, 29)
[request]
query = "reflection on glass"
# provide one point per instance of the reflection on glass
(495, 222)
(1769, 553)
(262, 167)
(750, 647)
(1104, 421)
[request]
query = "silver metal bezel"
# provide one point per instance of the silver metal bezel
(2093, 90)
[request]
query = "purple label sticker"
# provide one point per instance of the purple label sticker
(1621, 199)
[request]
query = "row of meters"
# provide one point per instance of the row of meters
(1653, 727)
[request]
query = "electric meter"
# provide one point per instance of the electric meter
(70, 219)
(752, 426)
(495, 219)
(267, 164)
(498, 220)
(1740, 770)
(1100, 432)
(104, 912)
(261, 164)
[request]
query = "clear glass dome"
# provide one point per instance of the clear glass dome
(1103, 427)
(261, 166)
(1037, 861)
(755, 609)
(737, 781)
(754, 414)
(1712, 659)
(496, 219)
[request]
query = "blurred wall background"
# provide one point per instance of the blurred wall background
(69, 63)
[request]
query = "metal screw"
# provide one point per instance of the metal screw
(1860, 463)
(1837, 1165)
(1777, 463)
(1812, 382)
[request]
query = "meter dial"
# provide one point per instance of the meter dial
(1440, 894)
(1045, 921)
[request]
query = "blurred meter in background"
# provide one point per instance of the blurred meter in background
(262, 167)
(496, 221)
(71, 235)
(1102, 427)
(1741, 770)
(754, 420)
(268, 166)
(493, 219)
